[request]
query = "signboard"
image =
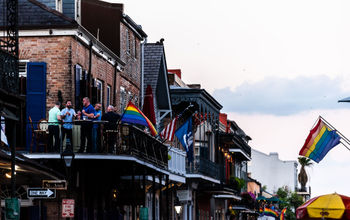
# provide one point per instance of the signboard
(184, 195)
(12, 208)
(39, 193)
(67, 208)
(143, 213)
(55, 184)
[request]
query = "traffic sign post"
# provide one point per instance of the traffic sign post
(40, 193)
(67, 208)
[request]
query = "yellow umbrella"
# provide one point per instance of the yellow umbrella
(330, 206)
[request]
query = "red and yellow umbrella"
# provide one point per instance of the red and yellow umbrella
(330, 206)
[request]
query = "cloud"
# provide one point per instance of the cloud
(280, 96)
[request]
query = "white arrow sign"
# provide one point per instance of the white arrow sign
(41, 193)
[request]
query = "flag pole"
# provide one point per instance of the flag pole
(338, 132)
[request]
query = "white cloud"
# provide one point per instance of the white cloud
(280, 96)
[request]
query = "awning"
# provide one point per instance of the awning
(236, 150)
(239, 208)
(227, 196)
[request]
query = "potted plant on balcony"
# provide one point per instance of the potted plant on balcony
(237, 183)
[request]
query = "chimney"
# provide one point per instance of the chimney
(175, 71)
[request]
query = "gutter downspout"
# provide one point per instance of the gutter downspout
(89, 72)
(115, 85)
(142, 71)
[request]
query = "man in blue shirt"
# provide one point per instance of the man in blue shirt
(67, 116)
(88, 114)
(96, 131)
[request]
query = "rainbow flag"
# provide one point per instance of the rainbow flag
(271, 212)
(319, 142)
(283, 212)
(133, 115)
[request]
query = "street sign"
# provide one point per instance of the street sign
(12, 208)
(67, 208)
(184, 195)
(55, 184)
(39, 193)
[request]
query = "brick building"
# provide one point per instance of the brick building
(64, 57)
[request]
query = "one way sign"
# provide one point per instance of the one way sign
(40, 193)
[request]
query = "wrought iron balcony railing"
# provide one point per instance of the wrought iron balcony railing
(206, 167)
(8, 72)
(100, 137)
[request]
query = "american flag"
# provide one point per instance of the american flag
(169, 131)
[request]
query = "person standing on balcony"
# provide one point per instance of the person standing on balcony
(54, 131)
(96, 132)
(111, 127)
(88, 114)
(67, 115)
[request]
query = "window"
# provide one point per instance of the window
(108, 95)
(127, 41)
(77, 13)
(135, 48)
(99, 86)
(59, 5)
(122, 98)
(22, 68)
(78, 78)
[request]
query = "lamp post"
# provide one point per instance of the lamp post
(68, 156)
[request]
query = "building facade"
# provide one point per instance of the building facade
(272, 172)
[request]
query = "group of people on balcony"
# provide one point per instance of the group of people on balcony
(89, 118)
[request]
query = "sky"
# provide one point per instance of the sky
(275, 66)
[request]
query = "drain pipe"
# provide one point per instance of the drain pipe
(142, 71)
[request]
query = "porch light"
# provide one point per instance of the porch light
(178, 209)
(68, 156)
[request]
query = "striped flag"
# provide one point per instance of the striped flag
(169, 131)
(283, 212)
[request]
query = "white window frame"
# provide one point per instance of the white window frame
(59, 5)
(21, 62)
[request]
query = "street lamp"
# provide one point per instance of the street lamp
(178, 208)
(68, 155)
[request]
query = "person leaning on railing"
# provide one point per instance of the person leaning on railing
(88, 113)
(54, 130)
(67, 115)
(111, 127)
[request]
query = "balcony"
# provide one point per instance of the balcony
(177, 162)
(122, 140)
(206, 167)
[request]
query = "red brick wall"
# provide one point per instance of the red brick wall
(55, 52)
(132, 69)
(62, 53)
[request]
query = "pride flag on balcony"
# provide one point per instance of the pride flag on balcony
(320, 141)
(133, 115)
(271, 212)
